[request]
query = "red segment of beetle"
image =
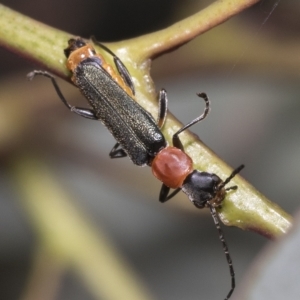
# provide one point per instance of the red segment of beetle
(79, 55)
(78, 52)
(172, 166)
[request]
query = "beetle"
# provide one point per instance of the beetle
(112, 101)
(111, 96)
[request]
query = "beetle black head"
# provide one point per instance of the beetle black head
(74, 44)
(205, 188)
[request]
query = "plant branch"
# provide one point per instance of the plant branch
(246, 207)
(182, 32)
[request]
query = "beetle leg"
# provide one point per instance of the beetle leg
(124, 73)
(84, 112)
(164, 191)
(162, 108)
(176, 141)
(117, 152)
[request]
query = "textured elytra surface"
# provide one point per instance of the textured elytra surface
(132, 126)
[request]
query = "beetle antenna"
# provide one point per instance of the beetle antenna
(225, 248)
(234, 172)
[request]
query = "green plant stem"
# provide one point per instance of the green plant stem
(180, 33)
(33, 40)
(245, 208)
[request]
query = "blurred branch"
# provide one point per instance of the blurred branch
(44, 277)
(70, 238)
(245, 208)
